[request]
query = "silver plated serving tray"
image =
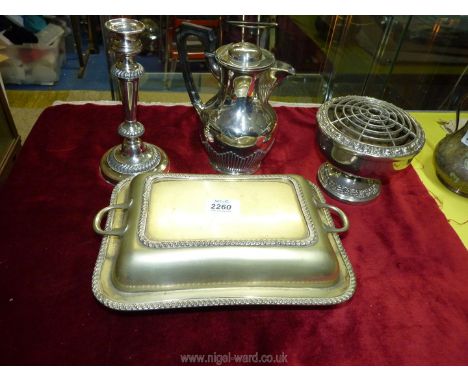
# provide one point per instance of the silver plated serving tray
(184, 240)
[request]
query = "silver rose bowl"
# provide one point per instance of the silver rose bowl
(366, 141)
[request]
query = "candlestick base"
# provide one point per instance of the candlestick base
(115, 166)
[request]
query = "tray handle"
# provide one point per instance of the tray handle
(344, 219)
(100, 215)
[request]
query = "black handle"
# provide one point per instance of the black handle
(208, 38)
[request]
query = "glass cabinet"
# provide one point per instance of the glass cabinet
(415, 62)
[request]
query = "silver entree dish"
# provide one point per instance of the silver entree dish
(184, 240)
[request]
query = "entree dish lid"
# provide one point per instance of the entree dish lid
(182, 240)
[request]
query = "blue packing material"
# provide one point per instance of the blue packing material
(34, 23)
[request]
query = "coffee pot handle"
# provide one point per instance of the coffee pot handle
(208, 38)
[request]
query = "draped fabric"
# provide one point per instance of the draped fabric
(410, 306)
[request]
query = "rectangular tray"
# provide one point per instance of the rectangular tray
(275, 246)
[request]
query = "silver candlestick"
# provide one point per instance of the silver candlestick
(133, 156)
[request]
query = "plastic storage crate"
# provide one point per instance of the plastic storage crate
(39, 63)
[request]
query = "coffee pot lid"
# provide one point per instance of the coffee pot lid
(244, 56)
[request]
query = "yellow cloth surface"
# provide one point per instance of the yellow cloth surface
(454, 207)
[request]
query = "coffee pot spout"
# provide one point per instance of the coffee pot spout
(280, 71)
(275, 76)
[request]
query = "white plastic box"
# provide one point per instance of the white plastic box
(39, 63)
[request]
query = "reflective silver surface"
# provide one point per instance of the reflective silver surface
(133, 156)
(364, 138)
(163, 248)
(347, 187)
(238, 123)
(451, 161)
(451, 156)
(244, 56)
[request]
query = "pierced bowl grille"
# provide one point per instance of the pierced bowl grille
(370, 126)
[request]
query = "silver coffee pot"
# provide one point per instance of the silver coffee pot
(238, 123)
